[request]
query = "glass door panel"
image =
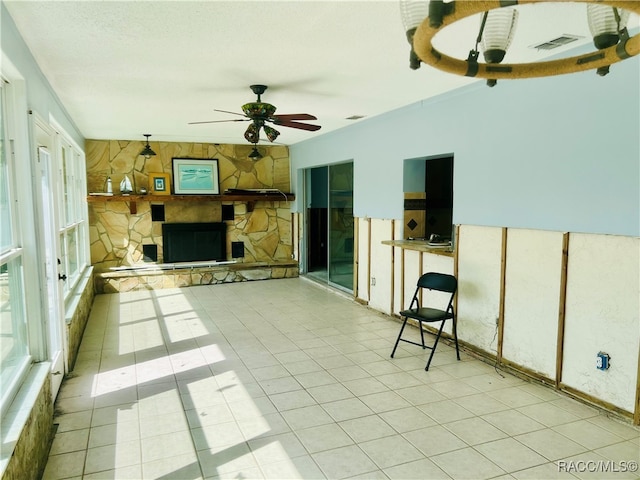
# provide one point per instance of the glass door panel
(341, 232)
(317, 229)
(54, 283)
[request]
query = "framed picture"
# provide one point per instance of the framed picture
(159, 183)
(193, 176)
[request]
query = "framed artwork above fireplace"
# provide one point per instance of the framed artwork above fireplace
(194, 176)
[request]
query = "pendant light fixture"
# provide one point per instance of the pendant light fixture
(496, 33)
(608, 26)
(412, 14)
(255, 154)
(607, 21)
(146, 151)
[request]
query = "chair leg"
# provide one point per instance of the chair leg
(455, 335)
(399, 335)
(435, 344)
(421, 334)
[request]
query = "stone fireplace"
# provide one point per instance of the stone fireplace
(119, 234)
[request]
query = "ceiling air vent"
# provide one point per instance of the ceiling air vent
(556, 42)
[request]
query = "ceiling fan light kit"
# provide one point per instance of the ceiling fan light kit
(259, 113)
(252, 133)
(271, 133)
(607, 21)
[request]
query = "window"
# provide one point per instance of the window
(72, 212)
(14, 351)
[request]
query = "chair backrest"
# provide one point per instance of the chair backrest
(438, 281)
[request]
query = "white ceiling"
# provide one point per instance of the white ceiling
(122, 69)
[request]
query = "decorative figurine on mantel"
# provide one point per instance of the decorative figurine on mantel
(125, 186)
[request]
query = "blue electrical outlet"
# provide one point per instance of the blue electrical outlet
(602, 361)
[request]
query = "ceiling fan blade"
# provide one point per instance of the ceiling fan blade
(295, 116)
(227, 111)
(221, 121)
(301, 126)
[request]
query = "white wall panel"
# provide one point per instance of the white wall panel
(602, 314)
(532, 297)
(397, 290)
(411, 275)
(442, 264)
(432, 262)
(479, 256)
(381, 265)
(363, 258)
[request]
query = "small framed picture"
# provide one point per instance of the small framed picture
(196, 176)
(159, 183)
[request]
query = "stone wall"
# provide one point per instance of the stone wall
(83, 300)
(34, 433)
(117, 236)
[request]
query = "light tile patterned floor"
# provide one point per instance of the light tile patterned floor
(284, 379)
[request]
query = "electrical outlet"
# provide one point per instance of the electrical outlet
(603, 361)
(373, 281)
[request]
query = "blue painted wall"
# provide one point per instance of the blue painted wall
(558, 153)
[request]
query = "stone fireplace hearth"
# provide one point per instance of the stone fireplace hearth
(154, 278)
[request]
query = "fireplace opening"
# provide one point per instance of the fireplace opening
(190, 242)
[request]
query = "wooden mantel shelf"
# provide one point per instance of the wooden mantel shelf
(240, 197)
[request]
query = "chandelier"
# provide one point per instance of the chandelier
(423, 20)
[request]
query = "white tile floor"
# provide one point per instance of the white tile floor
(283, 379)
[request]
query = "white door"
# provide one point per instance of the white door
(55, 277)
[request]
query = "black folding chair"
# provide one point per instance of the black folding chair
(431, 281)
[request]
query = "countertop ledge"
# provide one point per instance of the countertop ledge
(420, 246)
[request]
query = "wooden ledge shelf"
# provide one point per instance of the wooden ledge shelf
(250, 199)
(420, 246)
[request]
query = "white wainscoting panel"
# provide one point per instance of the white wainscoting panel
(532, 298)
(479, 259)
(603, 314)
(363, 258)
(442, 264)
(380, 265)
(411, 275)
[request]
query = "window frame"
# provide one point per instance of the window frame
(72, 209)
(23, 240)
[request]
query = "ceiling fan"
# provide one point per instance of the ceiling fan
(260, 113)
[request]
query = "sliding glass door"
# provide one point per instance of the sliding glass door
(330, 231)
